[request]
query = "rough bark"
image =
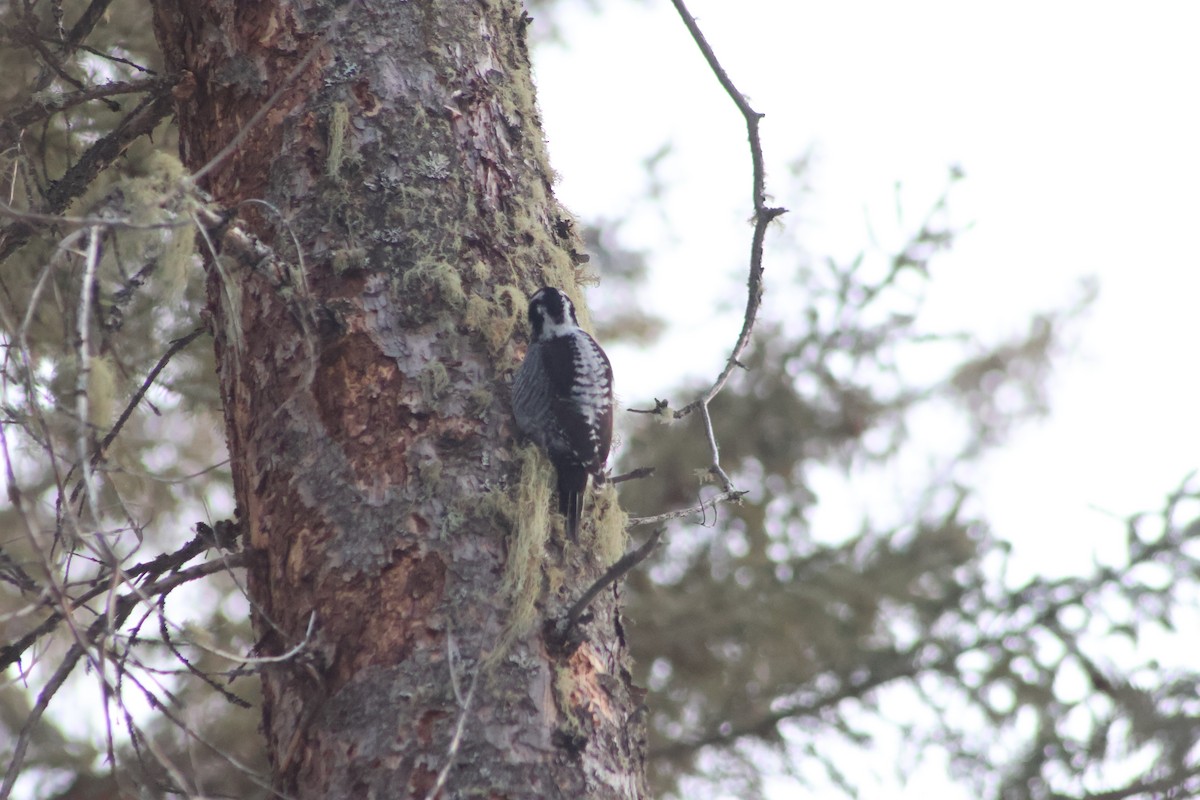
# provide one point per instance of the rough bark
(365, 336)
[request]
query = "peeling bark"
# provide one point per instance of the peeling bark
(364, 364)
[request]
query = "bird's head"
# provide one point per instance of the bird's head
(551, 313)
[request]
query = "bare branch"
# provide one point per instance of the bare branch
(37, 110)
(633, 475)
(562, 631)
(261, 113)
(35, 715)
(51, 62)
(119, 611)
(153, 568)
(85, 361)
(700, 508)
(14, 573)
(87, 21)
(139, 122)
(715, 469)
(263, 781)
(763, 215)
(660, 408)
(176, 346)
(452, 658)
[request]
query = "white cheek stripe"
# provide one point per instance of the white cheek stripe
(553, 330)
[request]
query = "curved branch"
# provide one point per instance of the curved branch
(763, 214)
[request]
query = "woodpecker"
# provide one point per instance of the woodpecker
(562, 399)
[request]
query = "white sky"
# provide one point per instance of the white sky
(1078, 127)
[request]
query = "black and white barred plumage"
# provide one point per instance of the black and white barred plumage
(562, 399)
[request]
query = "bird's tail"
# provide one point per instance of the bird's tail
(572, 482)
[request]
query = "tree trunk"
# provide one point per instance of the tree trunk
(366, 316)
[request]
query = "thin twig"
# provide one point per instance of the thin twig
(610, 576)
(83, 322)
(37, 110)
(465, 706)
(86, 22)
(34, 41)
(258, 116)
(258, 778)
(176, 346)
(100, 627)
(178, 783)
(76, 180)
(14, 573)
(286, 656)
(153, 568)
(660, 408)
(687, 512)
(726, 483)
(633, 475)
(35, 714)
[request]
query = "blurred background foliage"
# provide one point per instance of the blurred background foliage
(771, 654)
